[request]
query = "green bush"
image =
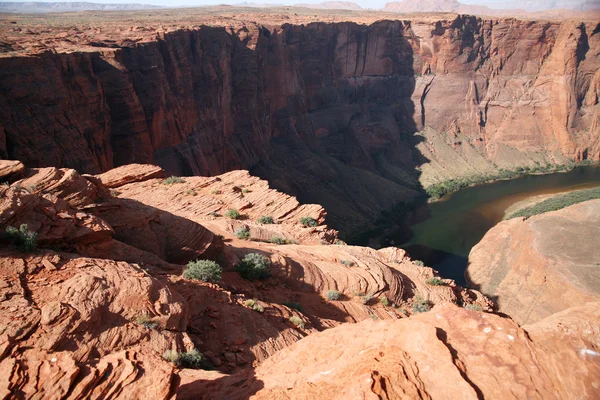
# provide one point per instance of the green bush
(242, 233)
(347, 263)
(191, 192)
(340, 242)
(558, 202)
(173, 179)
(254, 266)
(473, 307)
(435, 281)
(280, 240)
(203, 270)
(214, 214)
(277, 240)
(146, 321)
(215, 191)
(421, 305)
(192, 359)
(293, 305)
(308, 221)
(23, 238)
(384, 301)
(265, 219)
(419, 263)
(245, 190)
(232, 213)
(333, 295)
(253, 304)
(366, 299)
(297, 321)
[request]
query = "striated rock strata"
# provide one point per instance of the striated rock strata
(325, 111)
(540, 266)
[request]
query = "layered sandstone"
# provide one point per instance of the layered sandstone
(91, 312)
(537, 267)
(328, 112)
(446, 353)
(91, 316)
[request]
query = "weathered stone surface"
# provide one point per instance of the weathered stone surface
(130, 173)
(325, 111)
(10, 169)
(536, 267)
(446, 353)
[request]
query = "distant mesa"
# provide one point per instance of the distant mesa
(416, 6)
(63, 6)
(332, 5)
(500, 7)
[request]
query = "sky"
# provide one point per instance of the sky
(362, 3)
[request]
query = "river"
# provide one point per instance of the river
(459, 221)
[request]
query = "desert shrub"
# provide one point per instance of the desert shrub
(245, 190)
(366, 299)
(384, 301)
(265, 219)
(203, 270)
(214, 214)
(253, 304)
(172, 180)
(293, 305)
(473, 307)
(333, 295)
(191, 192)
(419, 263)
(254, 266)
(232, 213)
(308, 221)
(435, 281)
(421, 305)
(277, 240)
(347, 263)
(23, 238)
(215, 191)
(146, 321)
(558, 202)
(171, 356)
(297, 321)
(192, 359)
(242, 233)
(340, 242)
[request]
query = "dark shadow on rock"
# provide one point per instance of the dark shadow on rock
(239, 386)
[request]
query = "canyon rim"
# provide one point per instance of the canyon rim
(179, 184)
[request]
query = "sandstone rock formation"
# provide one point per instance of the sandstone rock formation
(89, 314)
(419, 6)
(540, 266)
(446, 353)
(327, 112)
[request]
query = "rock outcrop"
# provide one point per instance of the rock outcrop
(537, 267)
(92, 316)
(91, 312)
(327, 112)
(446, 353)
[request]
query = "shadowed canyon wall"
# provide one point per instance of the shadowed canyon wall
(352, 117)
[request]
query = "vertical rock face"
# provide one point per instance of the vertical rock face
(327, 112)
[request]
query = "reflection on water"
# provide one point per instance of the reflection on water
(457, 223)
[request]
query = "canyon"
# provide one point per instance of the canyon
(69, 329)
(136, 145)
(357, 116)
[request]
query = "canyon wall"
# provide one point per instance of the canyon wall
(354, 117)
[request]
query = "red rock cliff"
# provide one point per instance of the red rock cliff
(327, 112)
